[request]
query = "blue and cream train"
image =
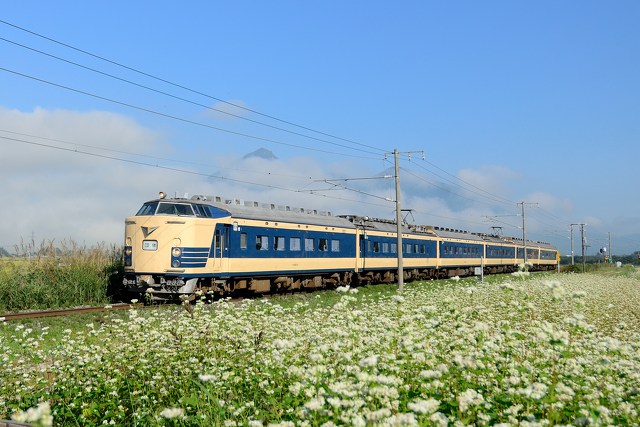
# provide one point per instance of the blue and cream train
(179, 246)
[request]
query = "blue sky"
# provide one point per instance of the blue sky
(510, 101)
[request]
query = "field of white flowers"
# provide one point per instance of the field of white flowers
(554, 350)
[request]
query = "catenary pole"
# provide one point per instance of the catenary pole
(399, 223)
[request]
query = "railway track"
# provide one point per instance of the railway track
(65, 311)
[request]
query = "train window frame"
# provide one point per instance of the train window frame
(243, 241)
(385, 247)
(323, 244)
(262, 242)
(200, 211)
(408, 248)
(295, 244)
(148, 209)
(335, 245)
(376, 247)
(171, 208)
(309, 244)
(394, 248)
(279, 243)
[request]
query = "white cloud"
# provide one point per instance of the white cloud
(63, 194)
(60, 194)
(227, 110)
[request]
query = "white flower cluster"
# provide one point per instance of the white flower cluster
(440, 353)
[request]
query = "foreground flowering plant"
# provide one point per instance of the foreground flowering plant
(562, 350)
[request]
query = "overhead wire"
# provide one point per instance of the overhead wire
(184, 87)
(480, 192)
(166, 159)
(186, 100)
(181, 119)
(185, 171)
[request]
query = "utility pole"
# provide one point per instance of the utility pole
(524, 230)
(399, 216)
(610, 249)
(399, 223)
(582, 233)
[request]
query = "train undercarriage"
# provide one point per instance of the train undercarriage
(166, 289)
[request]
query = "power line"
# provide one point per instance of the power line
(493, 196)
(184, 99)
(148, 156)
(182, 86)
(181, 119)
(102, 156)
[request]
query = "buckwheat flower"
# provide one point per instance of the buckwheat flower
(439, 419)
(421, 406)
(255, 423)
(353, 291)
(134, 301)
(170, 413)
(343, 288)
(369, 361)
(315, 404)
(468, 398)
(430, 374)
(40, 414)
(2, 319)
(535, 391)
(398, 298)
(206, 378)
(283, 424)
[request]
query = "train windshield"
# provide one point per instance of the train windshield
(174, 209)
(182, 209)
(148, 209)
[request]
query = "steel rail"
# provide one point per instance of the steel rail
(65, 311)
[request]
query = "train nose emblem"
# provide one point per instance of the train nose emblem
(148, 230)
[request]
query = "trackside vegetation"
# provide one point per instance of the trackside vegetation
(552, 350)
(56, 277)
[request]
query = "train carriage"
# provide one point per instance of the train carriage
(179, 246)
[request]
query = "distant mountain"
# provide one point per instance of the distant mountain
(261, 153)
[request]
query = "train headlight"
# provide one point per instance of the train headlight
(128, 251)
(176, 252)
(175, 263)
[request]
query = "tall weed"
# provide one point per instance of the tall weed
(66, 275)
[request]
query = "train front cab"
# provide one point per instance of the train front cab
(171, 244)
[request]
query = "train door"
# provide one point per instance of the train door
(362, 264)
(220, 247)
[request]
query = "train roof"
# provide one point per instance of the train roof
(271, 212)
(245, 209)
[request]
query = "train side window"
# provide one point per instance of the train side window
(409, 247)
(323, 245)
(308, 244)
(385, 248)
(335, 245)
(217, 239)
(278, 243)
(415, 248)
(262, 243)
(422, 249)
(376, 246)
(243, 240)
(294, 243)
(394, 248)
(199, 210)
